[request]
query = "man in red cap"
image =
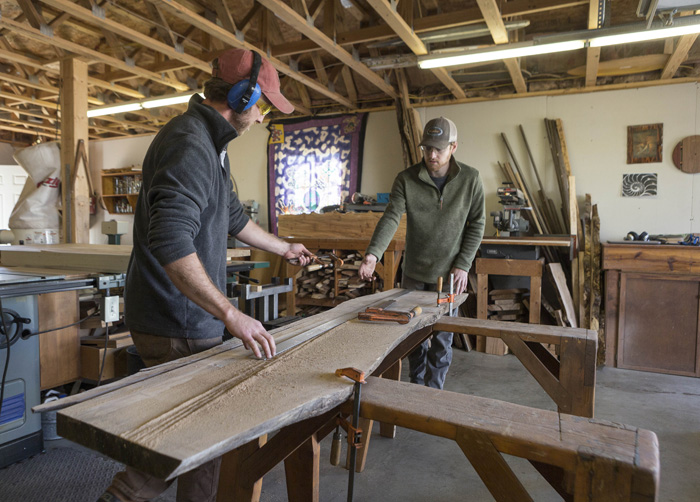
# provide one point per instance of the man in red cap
(175, 304)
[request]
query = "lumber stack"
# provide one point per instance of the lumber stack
(320, 286)
(573, 295)
(508, 305)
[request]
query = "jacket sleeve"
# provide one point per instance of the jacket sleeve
(237, 218)
(177, 196)
(474, 229)
(389, 222)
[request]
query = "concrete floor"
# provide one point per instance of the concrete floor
(417, 467)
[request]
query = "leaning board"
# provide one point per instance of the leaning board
(213, 402)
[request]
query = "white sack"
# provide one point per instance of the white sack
(38, 203)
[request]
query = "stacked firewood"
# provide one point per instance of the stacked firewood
(508, 305)
(331, 280)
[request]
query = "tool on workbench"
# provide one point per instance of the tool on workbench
(509, 222)
(320, 261)
(381, 313)
(354, 433)
(450, 298)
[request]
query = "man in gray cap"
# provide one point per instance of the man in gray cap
(444, 203)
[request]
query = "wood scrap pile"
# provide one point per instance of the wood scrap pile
(508, 304)
(572, 293)
(325, 285)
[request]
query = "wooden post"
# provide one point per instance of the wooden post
(74, 127)
(232, 485)
(302, 470)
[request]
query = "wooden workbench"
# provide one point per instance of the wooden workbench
(96, 258)
(176, 416)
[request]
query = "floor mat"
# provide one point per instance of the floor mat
(62, 474)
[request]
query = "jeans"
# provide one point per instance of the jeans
(429, 362)
(199, 484)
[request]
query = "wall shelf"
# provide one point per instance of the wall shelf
(120, 189)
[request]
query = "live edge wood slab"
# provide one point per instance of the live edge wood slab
(171, 418)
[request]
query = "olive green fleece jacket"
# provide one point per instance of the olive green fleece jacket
(442, 230)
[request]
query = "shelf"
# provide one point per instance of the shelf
(120, 189)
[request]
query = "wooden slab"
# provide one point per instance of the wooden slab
(90, 257)
(346, 225)
(686, 155)
(213, 402)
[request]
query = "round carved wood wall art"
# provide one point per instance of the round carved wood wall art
(686, 155)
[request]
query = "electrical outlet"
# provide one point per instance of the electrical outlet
(109, 308)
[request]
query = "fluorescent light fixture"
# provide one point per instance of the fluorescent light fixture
(495, 54)
(559, 43)
(111, 110)
(176, 100)
(140, 105)
(642, 36)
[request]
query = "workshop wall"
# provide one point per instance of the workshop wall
(595, 126)
(113, 154)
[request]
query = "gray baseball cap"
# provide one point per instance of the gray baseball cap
(439, 133)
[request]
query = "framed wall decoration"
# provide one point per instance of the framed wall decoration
(644, 143)
(640, 185)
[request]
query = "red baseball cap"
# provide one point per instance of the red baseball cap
(235, 65)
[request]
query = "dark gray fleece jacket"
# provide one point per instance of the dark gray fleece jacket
(186, 206)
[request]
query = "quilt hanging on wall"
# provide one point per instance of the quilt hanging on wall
(313, 164)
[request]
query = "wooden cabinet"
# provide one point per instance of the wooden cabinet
(120, 189)
(652, 307)
(340, 233)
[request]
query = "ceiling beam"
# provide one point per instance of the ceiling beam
(592, 53)
(230, 38)
(128, 33)
(289, 16)
(679, 55)
(43, 65)
(494, 21)
(429, 23)
(409, 37)
(27, 31)
(29, 99)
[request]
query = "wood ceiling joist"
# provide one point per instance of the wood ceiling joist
(28, 99)
(161, 25)
(679, 55)
(247, 20)
(592, 53)
(128, 33)
(231, 39)
(28, 113)
(35, 19)
(24, 123)
(494, 21)
(94, 82)
(429, 23)
(289, 16)
(33, 34)
(53, 91)
(411, 39)
(349, 84)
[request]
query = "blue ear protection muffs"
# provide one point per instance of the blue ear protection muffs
(246, 93)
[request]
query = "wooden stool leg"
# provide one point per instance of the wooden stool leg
(302, 469)
(393, 373)
(231, 484)
(482, 298)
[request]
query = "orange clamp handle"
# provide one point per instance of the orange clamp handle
(352, 373)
